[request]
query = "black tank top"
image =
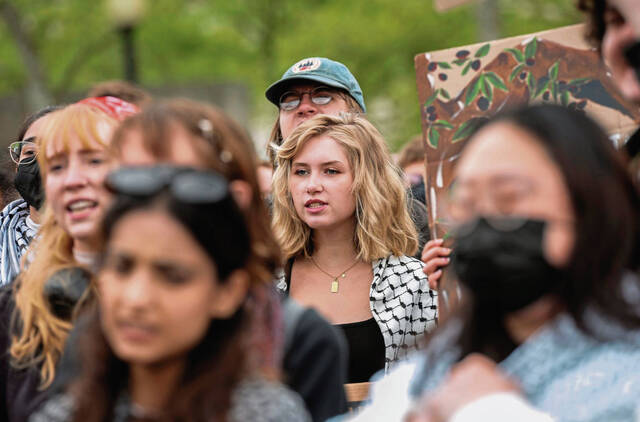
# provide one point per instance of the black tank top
(365, 341)
(366, 349)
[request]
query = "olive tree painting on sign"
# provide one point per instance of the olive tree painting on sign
(460, 87)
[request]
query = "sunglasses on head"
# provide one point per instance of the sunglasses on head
(185, 184)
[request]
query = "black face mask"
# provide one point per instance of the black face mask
(29, 184)
(501, 261)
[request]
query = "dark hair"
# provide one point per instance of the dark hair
(126, 91)
(8, 191)
(226, 140)
(214, 366)
(596, 26)
(606, 205)
(26, 124)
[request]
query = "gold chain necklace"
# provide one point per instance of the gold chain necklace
(343, 274)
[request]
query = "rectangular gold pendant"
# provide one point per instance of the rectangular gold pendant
(334, 286)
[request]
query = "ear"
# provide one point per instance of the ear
(230, 294)
(242, 193)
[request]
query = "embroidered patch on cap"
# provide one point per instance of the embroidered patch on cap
(306, 65)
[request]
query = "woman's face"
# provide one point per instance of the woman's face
(618, 36)
(504, 170)
(158, 289)
(289, 120)
(74, 187)
(320, 184)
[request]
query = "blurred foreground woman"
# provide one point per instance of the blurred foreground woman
(547, 244)
(169, 341)
(189, 133)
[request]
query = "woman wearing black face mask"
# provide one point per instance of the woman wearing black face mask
(547, 244)
(19, 219)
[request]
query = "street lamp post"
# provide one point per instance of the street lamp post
(126, 14)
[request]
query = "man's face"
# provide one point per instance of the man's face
(291, 119)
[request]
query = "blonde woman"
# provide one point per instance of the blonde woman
(36, 312)
(341, 217)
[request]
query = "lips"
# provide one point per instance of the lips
(81, 205)
(135, 331)
(314, 203)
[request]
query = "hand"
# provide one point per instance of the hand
(630, 11)
(435, 256)
(475, 377)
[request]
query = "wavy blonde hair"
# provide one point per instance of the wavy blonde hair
(383, 223)
(40, 335)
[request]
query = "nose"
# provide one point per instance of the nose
(306, 105)
(75, 177)
(314, 183)
(136, 292)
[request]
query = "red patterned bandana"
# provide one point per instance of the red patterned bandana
(114, 107)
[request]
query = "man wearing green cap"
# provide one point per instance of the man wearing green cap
(315, 85)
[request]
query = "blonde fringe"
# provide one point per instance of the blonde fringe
(384, 225)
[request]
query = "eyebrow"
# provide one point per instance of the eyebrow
(29, 139)
(326, 163)
(83, 152)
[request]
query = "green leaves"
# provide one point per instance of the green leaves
(473, 92)
(432, 98)
(531, 49)
(553, 71)
(496, 81)
(531, 82)
(515, 72)
(543, 84)
(485, 83)
(517, 54)
(463, 131)
(466, 68)
(433, 136)
(483, 51)
(459, 62)
(444, 65)
(443, 123)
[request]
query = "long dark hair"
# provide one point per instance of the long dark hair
(214, 366)
(596, 26)
(606, 205)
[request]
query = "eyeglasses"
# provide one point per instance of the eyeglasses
(27, 149)
(185, 184)
(291, 100)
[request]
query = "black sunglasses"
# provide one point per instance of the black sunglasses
(185, 184)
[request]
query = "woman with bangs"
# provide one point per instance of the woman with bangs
(341, 218)
(37, 311)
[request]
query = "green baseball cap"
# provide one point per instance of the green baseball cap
(317, 69)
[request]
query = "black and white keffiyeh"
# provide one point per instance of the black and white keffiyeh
(15, 236)
(402, 304)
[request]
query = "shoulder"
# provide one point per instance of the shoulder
(58, 408)
(261, 400)
(18, 207)
(400, 265)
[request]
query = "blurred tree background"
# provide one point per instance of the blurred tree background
(51, 48)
